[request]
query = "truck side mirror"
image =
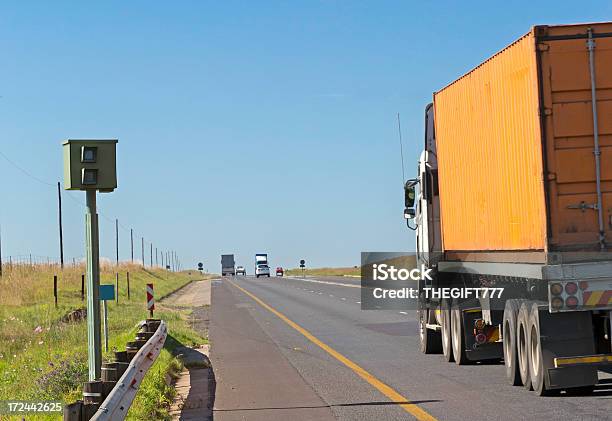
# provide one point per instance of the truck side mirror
(409, 198)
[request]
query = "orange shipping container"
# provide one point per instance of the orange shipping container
(515, 146)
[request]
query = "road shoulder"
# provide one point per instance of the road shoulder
(254, 379)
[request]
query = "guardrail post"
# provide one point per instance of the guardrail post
(73, 411)
(93, 392)
(109, 372)
(121, 356)
(89, 410)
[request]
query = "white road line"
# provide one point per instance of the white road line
(402, 312)
(327, 282)
(343, 299)
(357, 302)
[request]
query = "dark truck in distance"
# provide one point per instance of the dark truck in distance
(228, 265)
(515, 192)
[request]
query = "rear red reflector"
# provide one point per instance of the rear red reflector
(571, 288)
(571, 302)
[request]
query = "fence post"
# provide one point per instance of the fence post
(117, 288)
(82, 287)
(128, 285)
(55, 289)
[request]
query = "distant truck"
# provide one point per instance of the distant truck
(228, 265)
(515, 192)
(261, 259)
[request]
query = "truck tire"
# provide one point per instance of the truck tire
(447, 347)
(431, 341)
(522, 352)
(509, 341)
(536, 358)
(457, 341)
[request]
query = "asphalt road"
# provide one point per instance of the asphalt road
(266, 369)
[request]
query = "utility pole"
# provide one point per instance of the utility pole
(143, 260)
(156, 263)
(132, 242)
(61, 235)
(151, 255)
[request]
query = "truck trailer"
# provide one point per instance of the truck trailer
(228, 265)
(514, 191)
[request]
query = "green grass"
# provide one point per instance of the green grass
(43, 358)
(352, 271)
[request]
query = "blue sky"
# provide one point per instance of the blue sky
(243, 126)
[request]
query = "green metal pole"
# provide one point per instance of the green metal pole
(94, 344)
(105, 311)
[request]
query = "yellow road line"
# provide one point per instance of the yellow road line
(383, 388)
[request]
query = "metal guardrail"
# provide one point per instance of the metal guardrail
(118, 401)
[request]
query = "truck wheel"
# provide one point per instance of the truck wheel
(445, 315)
(431, 341)
(509, 341)
(522, 353)
(457, 341)
(536, 360)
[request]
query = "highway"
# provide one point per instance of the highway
(300, 349)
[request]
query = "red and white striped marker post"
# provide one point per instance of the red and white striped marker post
(150, 299)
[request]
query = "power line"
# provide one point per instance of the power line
(23, 170)
(71, 197)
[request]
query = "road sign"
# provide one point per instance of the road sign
(302, 262)
(107, 292)
(150, 299)
(200, 266)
